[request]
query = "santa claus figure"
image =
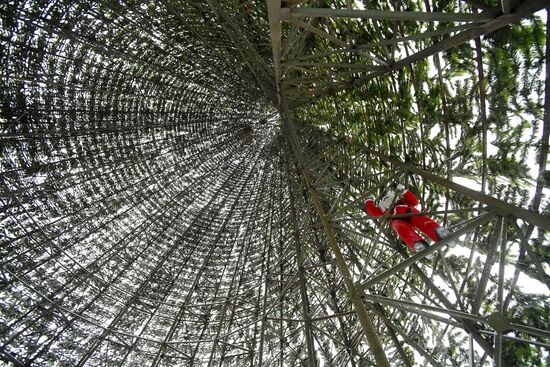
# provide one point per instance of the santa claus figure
(405, 203)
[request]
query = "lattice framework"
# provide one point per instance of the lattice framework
(169, 198)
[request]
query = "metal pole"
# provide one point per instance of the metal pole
(275, 28)
(266, 287)
(287, 14)
(482, 283)
(500, 293)
(366, 323)
(302, 280)
(471, 350)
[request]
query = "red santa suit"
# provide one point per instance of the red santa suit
(405, 226)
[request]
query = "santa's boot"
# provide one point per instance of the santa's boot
(420, 246)
(442, 233)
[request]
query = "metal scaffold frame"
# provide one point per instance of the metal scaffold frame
(183, 183)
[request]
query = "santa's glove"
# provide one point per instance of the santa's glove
(400, 188)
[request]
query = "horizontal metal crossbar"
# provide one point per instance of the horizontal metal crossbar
(287, 13)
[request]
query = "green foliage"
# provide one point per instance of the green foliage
(534, 311)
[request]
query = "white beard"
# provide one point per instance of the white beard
(386, 201)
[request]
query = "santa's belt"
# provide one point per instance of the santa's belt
(394, 209)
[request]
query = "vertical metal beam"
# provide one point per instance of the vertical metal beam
(482, 283)
(267, 279)
(368, 327)
(532, 255)
(545, 139)
(471, 350)
(500, 294)
(275, 28)
(302, 279)
(482, 112)
(503, 241)
(281, 307)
